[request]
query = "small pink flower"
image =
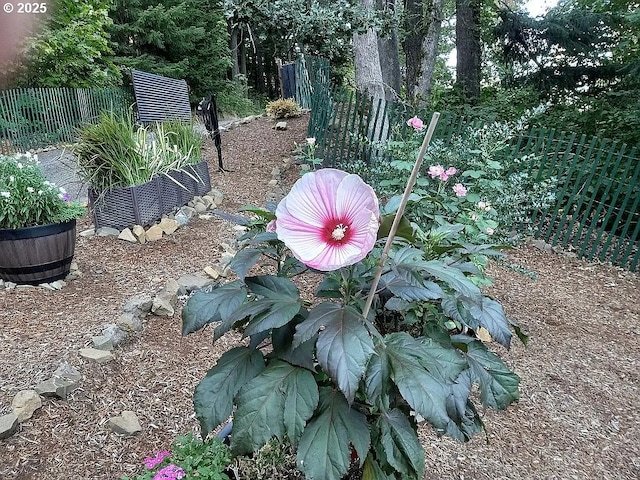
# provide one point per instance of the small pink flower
(444, 177)
(459, 189)
(170, 472)
(415, 123)
(152, 462)
(271, 226)
(329, 219)
(435, 171)
(451, 171)
(490, 230)
(311, 141)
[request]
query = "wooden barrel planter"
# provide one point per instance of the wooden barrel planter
(35, 255)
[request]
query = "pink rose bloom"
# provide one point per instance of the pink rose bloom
(329, 219)
(415, 123)
(444, 176)
(459, 189)
(451, 171)
(152, 462)
(435, 171)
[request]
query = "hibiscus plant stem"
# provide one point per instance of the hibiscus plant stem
(396, 221)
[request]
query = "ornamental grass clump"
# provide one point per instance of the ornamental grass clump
(283, 108)
(115, 152)
(28, 199)
(390, 339)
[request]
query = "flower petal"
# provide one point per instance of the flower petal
(317, 204)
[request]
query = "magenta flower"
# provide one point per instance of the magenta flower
(152, 462)
(435, 170)
(451, 171)
(329, 220)
(170, 472)
(459, 189)
(415, 123)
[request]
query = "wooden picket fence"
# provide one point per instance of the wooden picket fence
(596, 211)
(32, 118)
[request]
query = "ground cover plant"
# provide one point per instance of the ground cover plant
(391, 339)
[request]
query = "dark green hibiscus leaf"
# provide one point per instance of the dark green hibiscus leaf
(272, 314)
(498, 384)
(273, 287)
(324, 451)
(452, 277)
(318, 316)
(378, 379)
(408, 285)
(329, 288)
(400, 444)
(263, 237)
(238, 219)
(424, 391)
(279, 401)
(465, 421)
(405, 230)
(214, 306)
(371, 470)
(213, 397)
(489, 314)
(242, 261)
(343, 349)
(445, 362)
(283, 349)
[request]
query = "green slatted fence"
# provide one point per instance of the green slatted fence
(32, 118)
(596, 213)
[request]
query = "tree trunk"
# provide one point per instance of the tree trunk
(366, 58)
(421, 47)
(369, 74)
(389, 56)
(235, 68)
(468, 47)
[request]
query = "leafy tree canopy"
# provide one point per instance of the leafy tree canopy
(72, 49)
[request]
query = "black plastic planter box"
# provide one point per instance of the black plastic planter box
(145, 204)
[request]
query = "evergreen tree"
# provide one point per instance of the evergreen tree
(173, 38)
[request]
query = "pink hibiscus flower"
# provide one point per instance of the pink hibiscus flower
(329, 220)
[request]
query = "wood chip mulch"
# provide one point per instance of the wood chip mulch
(578, 416)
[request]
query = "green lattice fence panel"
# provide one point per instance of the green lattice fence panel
(311, 72)
(32, 118)
(596, 209)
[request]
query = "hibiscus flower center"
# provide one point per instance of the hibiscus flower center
(339, 232)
